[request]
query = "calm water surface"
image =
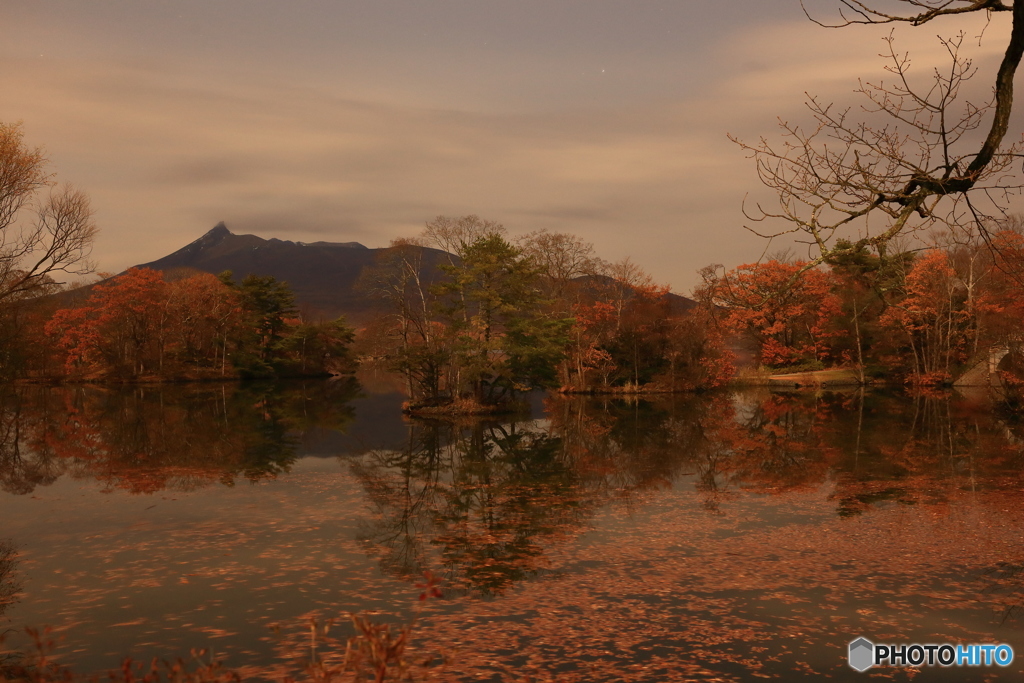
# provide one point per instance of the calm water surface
(727, 537)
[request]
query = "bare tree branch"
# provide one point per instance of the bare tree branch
(914, 169)
(60, 238)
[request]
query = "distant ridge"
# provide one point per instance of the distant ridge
(323, 275)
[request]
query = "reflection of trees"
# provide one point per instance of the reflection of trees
(492, 501)
(21, 469)
(9, 590)
(903, 451)
(147, 438)
(1004, 583)
(760, 442)
(486, 497)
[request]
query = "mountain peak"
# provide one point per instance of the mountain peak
(323, 275)
(217, 232)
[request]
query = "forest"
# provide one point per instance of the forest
(502, 315)
(545, 311)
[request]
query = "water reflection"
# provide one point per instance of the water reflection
(485, 498)
(145, 439)
(701, 527)
(491, 501)
(874, 448)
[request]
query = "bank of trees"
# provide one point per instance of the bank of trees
(921, 316)
(502, 316)
(141, 325)
(471, 318)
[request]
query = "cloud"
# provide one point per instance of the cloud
(167, 152)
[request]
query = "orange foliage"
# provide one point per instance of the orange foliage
(933, 318)
(136, 324)
(116, 329)
(790, 318)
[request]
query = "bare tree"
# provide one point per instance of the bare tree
(560, 257)
(920, 156)
(454, 235)
(58, 239)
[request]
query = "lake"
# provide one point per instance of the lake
(731, 536)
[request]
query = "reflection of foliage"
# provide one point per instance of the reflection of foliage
(21, 468)
(857, 503)
(9, 589)
(145, 439)
(491, 501)
(511, 490)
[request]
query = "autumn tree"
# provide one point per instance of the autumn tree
(998, 300)
(630, 334)
(455, 235)
(696, 352)
(865, 285)
(138, 324)
(922, 155)
(407, 336)
(45, 232)
(619, 313)
(202, 317)
(317, 349)
(588, 364)
(542, 311)
(118, 330)
(639, 344)
(561, 259)
(483, 329)
(932, 318)
(786, 310)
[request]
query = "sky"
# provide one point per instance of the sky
(341, 121)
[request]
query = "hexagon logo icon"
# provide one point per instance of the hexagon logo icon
(862, 654)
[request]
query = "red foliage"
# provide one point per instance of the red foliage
(933, 318)
(137, 324)
(789, 317)
(116, 328)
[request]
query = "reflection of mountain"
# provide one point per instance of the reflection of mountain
(323, 275)
(149, 438)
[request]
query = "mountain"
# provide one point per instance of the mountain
(323, 275)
